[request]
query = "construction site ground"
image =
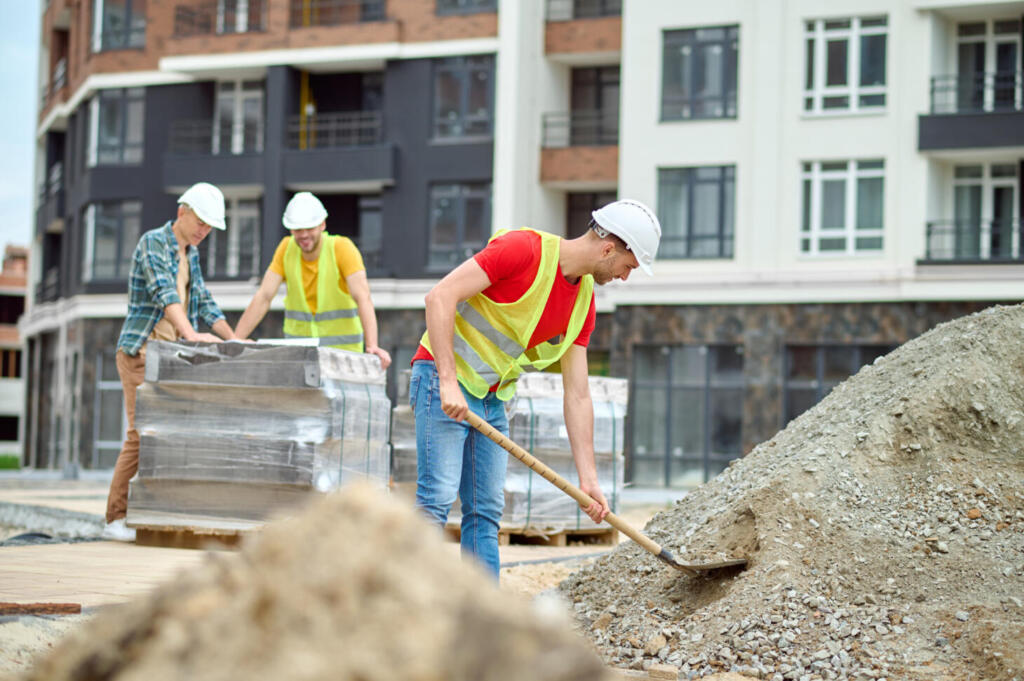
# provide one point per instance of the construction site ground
(94, 574)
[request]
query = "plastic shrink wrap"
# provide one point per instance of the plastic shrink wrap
(237, 431)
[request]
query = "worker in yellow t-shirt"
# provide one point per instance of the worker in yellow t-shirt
(328, 296)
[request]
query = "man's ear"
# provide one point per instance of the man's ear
(607, 248)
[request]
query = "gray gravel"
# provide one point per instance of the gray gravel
(884, 527)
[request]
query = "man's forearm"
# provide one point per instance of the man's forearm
(252, 317)
(441, 330)
(175, 314)
(579, 424)
(223, 329)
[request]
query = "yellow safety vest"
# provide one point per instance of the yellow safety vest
(336, 322)
(490, 338)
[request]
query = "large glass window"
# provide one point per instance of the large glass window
(234, 253)
(579, 207)
(238, 127)
(687, 415)
(460, 222)
(371, 232)
(466, 6)
(463, 96)
(696, 206)
(811, 371)
(118, 24)
(112, 230)
(843, 207)
(108, 422)
(845, 64)
(117, 121)
(699, 73)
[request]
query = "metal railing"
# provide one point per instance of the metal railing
(974, 241)
(580, 128)
(55, 179)
(335, 12)
(49, 288)
(221, 17)
(567, 10)
(977, 93)
(60, 75)
(207, 137)
(334, 130)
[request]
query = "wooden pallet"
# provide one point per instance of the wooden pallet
(168, 530)
(541, 536)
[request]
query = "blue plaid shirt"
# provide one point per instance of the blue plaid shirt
(152, 286)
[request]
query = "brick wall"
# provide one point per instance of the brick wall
(583, 35)
(580, 164)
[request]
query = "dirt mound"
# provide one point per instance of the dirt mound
(356, 587)
(884, 527)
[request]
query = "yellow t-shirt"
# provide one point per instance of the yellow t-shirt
(346, 255)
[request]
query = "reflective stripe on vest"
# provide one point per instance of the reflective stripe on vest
(336, 323)
(490, 337)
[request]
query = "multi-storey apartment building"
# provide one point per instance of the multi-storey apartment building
(12, 391)
(832, 178)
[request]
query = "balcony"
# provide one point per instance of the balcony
(221, 152)
(338, 150)
(973, 242)
(60, 76)
(568, 10)
(50, 214)
(580, 128)
(225, 17)
(48, 289)
(975, 111)
(583, 32)
(304, 13)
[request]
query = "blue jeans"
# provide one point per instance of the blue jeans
(453, 458)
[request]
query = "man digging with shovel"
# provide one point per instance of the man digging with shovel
(487, 321)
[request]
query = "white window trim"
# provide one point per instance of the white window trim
(235, 210)
(849, 231)
(90, 234)
(94, 131)
(988, 184)
(238, 100)
(992, 40)
(853, 89)
(97, 26)
(241, 16)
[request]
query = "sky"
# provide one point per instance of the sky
(19, 78)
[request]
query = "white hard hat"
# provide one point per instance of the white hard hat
(207, 202)
(304, 211)
(634, 223)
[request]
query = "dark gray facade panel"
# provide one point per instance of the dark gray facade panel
(181, 172)
(970, 131)
(351, 164)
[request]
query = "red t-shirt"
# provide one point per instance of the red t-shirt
(510, 263)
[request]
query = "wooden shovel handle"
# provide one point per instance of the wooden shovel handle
(541, 469)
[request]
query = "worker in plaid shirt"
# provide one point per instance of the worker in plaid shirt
(167, 298)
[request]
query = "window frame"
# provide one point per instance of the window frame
(134, 10)
(460, 192)
(105, 386)
(463, 68)
(447, 8)
(125, 99)
(811, 233)
(125, 244)
(816, 91)
(821, 386)
(726, 235)
(683, 38)
(235, 212)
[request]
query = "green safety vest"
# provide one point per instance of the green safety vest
(490, 338)
(336, 322)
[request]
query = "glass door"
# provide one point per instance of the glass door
(986, 210)
(238, 122)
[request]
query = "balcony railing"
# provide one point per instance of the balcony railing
(60, 75)
(974, 241)
(567, 10)
(977, 93)
(206, 137)
(334, 130)
(220, 18)
(55, 179)
(335, 12)
(49, 288)
(580, 128)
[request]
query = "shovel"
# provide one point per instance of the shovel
(584, 500)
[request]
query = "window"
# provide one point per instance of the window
(238, 125)
(988, 66)
(371, 232)
(234, 253)
(986, 216)
(845, 65)
(699, 73)
(567, 10)
(460, 222)
(696, 210)
(117, 119)
(118, 24)
(10, 363)
(11, 308)
(112, 231)
(687, 415)
(108, 424)
(811, 371)
(843, 207)
(579, 209)
(466, 6)
(463, 97)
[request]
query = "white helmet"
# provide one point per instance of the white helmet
(304, 211)
(207, 202)
(634, 223)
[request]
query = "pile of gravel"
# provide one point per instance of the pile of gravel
(884, 527)
(356, 588)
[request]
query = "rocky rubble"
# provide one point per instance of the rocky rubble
(884, 528)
